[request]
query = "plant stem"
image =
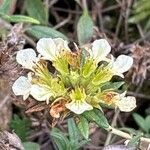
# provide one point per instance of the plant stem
(126, 135)
(84, 2)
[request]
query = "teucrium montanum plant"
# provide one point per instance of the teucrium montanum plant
(77, 86)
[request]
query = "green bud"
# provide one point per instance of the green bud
(102, 75)
(88, 68)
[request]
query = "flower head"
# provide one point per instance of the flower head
(78, 102)
(77, 82)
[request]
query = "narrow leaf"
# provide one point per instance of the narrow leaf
(97, 117)
(31, 146)
(73, 131)
(35, 9)
(83, 126)
(147, 123)
(113, 86)
(84, 28)
(140, 121)
(42, 31)
(19, 18)
(59, 138)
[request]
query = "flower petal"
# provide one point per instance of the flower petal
(127, 104)
(47, 48)
(78, 108)
(100, 49)
(122, 64)
(22, 86)
(61, 44)
(41, 93)
(26, 58)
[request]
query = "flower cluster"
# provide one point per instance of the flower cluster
(82, 79)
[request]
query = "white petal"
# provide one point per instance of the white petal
(26, 58)
(61, 44)
(78, 108)
(123, 63)
(127, 104)
(100, 49)
(22, 86)
(40, 93)
(47, 48)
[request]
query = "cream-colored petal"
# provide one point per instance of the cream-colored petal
(127, 104)
(61, 45)
(47, 48)
(22, 86)
(100, 49)
(41, 93)
(26, 58)
(122, 64)
(78, 108)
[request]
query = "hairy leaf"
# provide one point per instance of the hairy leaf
(35, 9)
(83, 126)
(84, 28)
(97, 117)
(42, 31)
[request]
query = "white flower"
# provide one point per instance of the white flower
(26, 58)
(127, 104)
(100, 49)
(122, 64)
(22, 86)
(51, 48)
(41, 92)
(78, 107)
(78, 104)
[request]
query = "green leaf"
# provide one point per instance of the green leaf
(42, 31)
(140, 121)
(20, 126)
(73, 132)
(97, 117)
(134, 141)
(35, 9)
(83, 126)
(5, 7)
(113, 86)
(147, 123)
(82, 143)
(84, 28)
(59, 138)
(19, 18)
(31, 146)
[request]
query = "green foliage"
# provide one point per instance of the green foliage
(143, 123)
(141, 12)
(19, 18)
(43, 31)
(83, 126)
(84, 28)
(5, 7)
(98, 117)
(35, 9)
(114, 85)
(135, 140)
(31, 146)
(73, 141)
(20, 126)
